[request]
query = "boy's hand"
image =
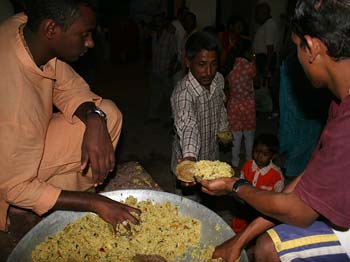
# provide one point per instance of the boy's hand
(218, 187)
(225, 137)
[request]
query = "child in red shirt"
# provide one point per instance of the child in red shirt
(262, 173)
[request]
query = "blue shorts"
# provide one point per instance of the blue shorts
(317, 243)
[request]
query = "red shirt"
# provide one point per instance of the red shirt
(325, 185)
(269, 178)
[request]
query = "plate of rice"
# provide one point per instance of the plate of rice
(189, 171)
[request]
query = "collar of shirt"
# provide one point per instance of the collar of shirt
(263, 171)
(339, 108)
(198, 89)
(47, 70)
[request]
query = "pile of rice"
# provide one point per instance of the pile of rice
(208, 170)
(162, 231)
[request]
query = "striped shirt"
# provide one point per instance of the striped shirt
(199, 114)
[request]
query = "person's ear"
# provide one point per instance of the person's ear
(50, 28)
(315, 47)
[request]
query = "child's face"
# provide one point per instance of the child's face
(262, 155)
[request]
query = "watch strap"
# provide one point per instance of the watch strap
(239, 183)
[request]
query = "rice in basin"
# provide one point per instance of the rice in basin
(162, 231)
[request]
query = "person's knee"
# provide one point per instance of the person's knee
(265, 250)
(114, 118)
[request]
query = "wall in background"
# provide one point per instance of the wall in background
(205, 11)
(245, 9)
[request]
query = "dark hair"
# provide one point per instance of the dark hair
(189, 22)
(268, 140)
(201, 41)
(63, 12)
(210, 29)
(243, 45)
(182, 11)
(233, 20)
(265, 6)
(327, 20)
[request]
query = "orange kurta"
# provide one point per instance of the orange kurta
(35, 146)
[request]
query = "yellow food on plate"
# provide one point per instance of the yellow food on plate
(225, 137)
(209, 170)
(162, 233)
(188, 171)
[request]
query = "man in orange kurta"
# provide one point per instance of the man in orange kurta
(44, 156)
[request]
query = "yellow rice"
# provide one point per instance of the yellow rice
(208, 170)
(162, 231)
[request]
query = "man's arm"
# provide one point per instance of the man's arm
(83, 109)
(97, 148)
(111, 211)
(186, 125)
(231, 249)
(285, 207)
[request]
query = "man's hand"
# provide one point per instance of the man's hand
(229, 250)
(114, 212)
(218, 187)
(111, 211)
(97, 148)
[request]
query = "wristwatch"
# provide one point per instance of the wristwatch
(98, 111)
(239, 183)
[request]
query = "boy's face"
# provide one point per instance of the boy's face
(262, 155)
(204, 67)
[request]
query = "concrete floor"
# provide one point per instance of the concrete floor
(127, 85)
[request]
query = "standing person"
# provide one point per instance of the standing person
(262, 173)
(313, 212)
(48, 159)
(265, 47)
(190, 25)
(236, 30)
(198, 103)
(180, 33)
(241, 101)
(163, 51)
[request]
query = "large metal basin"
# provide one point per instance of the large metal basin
(57, 221)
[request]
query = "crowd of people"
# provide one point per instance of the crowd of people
(50, 160)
